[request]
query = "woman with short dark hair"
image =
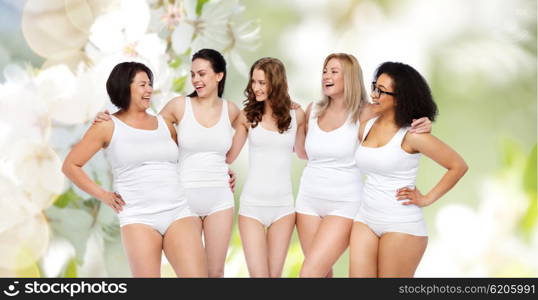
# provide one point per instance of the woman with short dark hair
(203, 122)
(148, 198)
(389, 235)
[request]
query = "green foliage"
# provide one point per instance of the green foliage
(200, 5)
(66, 198)
(179, 84)
(71, 269)
(511, 152)
(529, 181)
(31, 271)
(73, 224)
(176, 62)
(528, 222)
(294, 261)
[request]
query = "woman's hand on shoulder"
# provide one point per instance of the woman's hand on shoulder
(422, 125)
(295, 105)
(101, 116)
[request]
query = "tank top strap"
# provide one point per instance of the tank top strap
(119, 125)
(367, 128)
(312, 118)
(313, 111)
(115, 120)
(160, 120)
(224, 115)
(399, 136)
(163, 127)
(189, 114)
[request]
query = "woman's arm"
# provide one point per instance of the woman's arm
(233, 112)
(300, 137)
(172, 112)
(241, 132)
(422, 125)
(98, 136)
(171, 129)
(441, 153)
(307, 117)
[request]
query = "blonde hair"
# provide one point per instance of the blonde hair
(354, 90)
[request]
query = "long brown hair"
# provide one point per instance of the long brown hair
(354, 90)
(277, 95)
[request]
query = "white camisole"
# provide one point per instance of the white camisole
(202, 150)
(387, 169)
(331, 172)
(269, 172)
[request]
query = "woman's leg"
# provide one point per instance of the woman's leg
(363, 247)
(182, 245)
(400, 254)
(143, 247)
(330, 241)
(278, 241)
(307, 226)
(217, 232)
(254, 243)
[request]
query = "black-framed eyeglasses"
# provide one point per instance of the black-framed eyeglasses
(376, 92)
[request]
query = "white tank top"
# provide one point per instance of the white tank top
(331, 172)
(144, 164)
(202, 150)
(269, 180)
(387, 169)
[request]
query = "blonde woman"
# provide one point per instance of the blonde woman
(329, 194)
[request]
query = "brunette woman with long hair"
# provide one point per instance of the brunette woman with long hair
(274, 130)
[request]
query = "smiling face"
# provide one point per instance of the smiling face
(259, 85)
(333, 79)
(382, 101)
(141, 90)
(203, 78)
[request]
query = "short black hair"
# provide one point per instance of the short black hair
(119, 81)
(413, 95)
(218, 64)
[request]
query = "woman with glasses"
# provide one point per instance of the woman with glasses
(389, 235)
(330, 191)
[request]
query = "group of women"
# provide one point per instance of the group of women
(172, 187)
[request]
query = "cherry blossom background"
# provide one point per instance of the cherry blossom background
(479, 57)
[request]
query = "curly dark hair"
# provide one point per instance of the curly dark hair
(118, 84)
(413, 95)
(278, 97)
(218, 64)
